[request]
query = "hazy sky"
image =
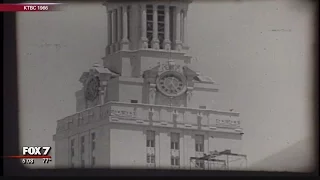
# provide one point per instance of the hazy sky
(258, 51)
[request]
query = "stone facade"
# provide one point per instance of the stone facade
(124, 116)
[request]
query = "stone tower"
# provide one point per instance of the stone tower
(146, 39)
(144, 107)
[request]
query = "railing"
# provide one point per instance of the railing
(156, 114)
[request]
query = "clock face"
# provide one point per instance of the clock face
(171, 83)
(92, 88)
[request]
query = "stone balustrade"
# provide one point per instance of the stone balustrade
(155, 115)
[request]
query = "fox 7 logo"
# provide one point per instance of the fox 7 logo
(36, 150)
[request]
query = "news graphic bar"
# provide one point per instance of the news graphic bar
(33, 152)
(25, 157)
(30, 153)
(30, 159)
(30, 7)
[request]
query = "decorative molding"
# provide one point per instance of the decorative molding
(175, 113)
(150, 113)
(170, 66)
(124, 44)
(227, 122)
(199, 114)
(151, 74)
(189, 73)
(152, 86)
(80, 119)
(103, 114)
(114, 119)
(152, 93)
(178, 45)
(123, 113)
(164, 123)
(152, 90)
(167, 44)
(139, 121)
(144, 43)
(91, 115)
(151, 110)
(189, 93)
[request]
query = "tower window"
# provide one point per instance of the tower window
(121, 23)
(182, 25)
(110, 28)
(150, 139)
(129, 17)
(72, 148)
(171, 27)
(161, 24)
(116, 14)
(82, 144)
(202, 107)
(199, 143)
(93, 141)
(82, 151)
(149, 9)
(175, 161)
(175, 141)
(93, 147)
(200, 164)
(151, 158)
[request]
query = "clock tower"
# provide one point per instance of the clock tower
(147, 58)
(144, 106)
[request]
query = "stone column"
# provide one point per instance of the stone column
(118, 27)
(189, 94)
(109, 24)
(166, 42)
(152, 93)
(102, 91)
(144, 40)
(155, 40)
(113, 30)
(182, 26)
(185, 30)
(178, 35)
(124, 41)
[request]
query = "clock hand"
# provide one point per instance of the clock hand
(171, 79)
(175, 88)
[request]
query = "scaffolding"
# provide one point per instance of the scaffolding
(224, 160)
